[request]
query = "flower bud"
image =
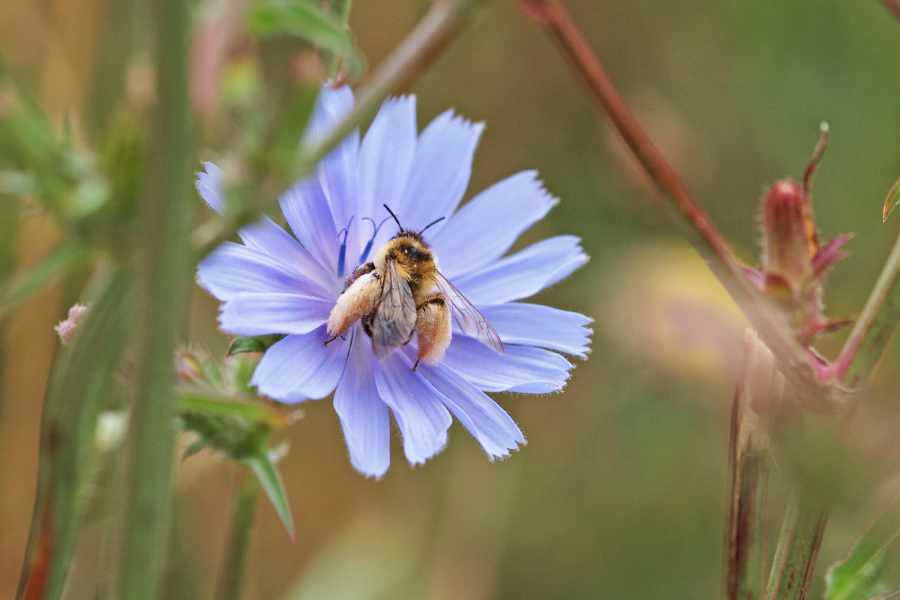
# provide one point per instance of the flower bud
(66, 329)
(789, 236)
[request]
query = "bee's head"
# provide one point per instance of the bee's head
(410, 251)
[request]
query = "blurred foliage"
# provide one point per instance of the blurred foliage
(621, 491)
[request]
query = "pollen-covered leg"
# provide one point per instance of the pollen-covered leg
(357, 301)
(434, 329)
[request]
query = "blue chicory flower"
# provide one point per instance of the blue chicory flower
(276, 283)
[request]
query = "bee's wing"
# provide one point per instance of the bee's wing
(470, 320)
(395, 317)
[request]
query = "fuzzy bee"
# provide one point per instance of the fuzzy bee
(401, 292)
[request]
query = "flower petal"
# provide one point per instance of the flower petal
(233, 269)
(306, 210)
(422, 418)
(522, 369)
(440, 171)
(364, 416)
(301, 367)
(254, 313)
(386, 155)
(485, 228)
(525, 273)
(486, 420)
(337, 172)
(208, 184)
(542, 326)
(266, 235)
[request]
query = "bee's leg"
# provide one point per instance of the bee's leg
(434, 329)
(356, 302)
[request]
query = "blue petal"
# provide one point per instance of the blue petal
(542, 326)
(208, 185)
(232, 269)
(265, 235)
(422, 418)
(300, 367)
(486, 420)
(440, 171)
(386, 155)
(525, 273)
(337, 172)
(364, 416)
(518, 369)
(485, 228)
(254, 313)
(306, 210)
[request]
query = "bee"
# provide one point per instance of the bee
(402, 292)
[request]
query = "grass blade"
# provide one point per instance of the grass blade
(80, 383)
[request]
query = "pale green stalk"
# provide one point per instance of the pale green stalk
(165, 277)
(231, 575)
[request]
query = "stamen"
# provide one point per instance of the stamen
(375, 229)
(342, 254)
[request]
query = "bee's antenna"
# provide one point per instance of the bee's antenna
(435, 222)
(388, 208)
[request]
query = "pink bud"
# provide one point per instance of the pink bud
(789, 234)
(66, 329)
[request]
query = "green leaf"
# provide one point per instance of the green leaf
(60, 262)
(82, 381)
(259, 343)
(858, 577)
(308, 21)
(262, 466)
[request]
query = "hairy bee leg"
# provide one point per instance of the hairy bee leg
(434, 329)
(358, 300)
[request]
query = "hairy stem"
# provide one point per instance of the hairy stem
(420, 48)
(231, 576)
(164, 282)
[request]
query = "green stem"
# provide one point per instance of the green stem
(231, 577)
(874, 327)
(795, 555)
(420, 48)
(340, 9)
(165, 276)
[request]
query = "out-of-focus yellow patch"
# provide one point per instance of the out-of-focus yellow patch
(665, 304)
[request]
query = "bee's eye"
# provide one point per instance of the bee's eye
(407, 250)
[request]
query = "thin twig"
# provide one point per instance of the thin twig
(423, 45)
(793, 359)
(874, 327)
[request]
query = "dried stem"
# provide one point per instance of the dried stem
(423, 45)
(759, 389)
(798, 547)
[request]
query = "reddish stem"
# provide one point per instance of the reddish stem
(554, 16)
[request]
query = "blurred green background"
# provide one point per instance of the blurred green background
(621, 490)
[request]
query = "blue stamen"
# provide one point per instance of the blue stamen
(368, 247)
(342, 253)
